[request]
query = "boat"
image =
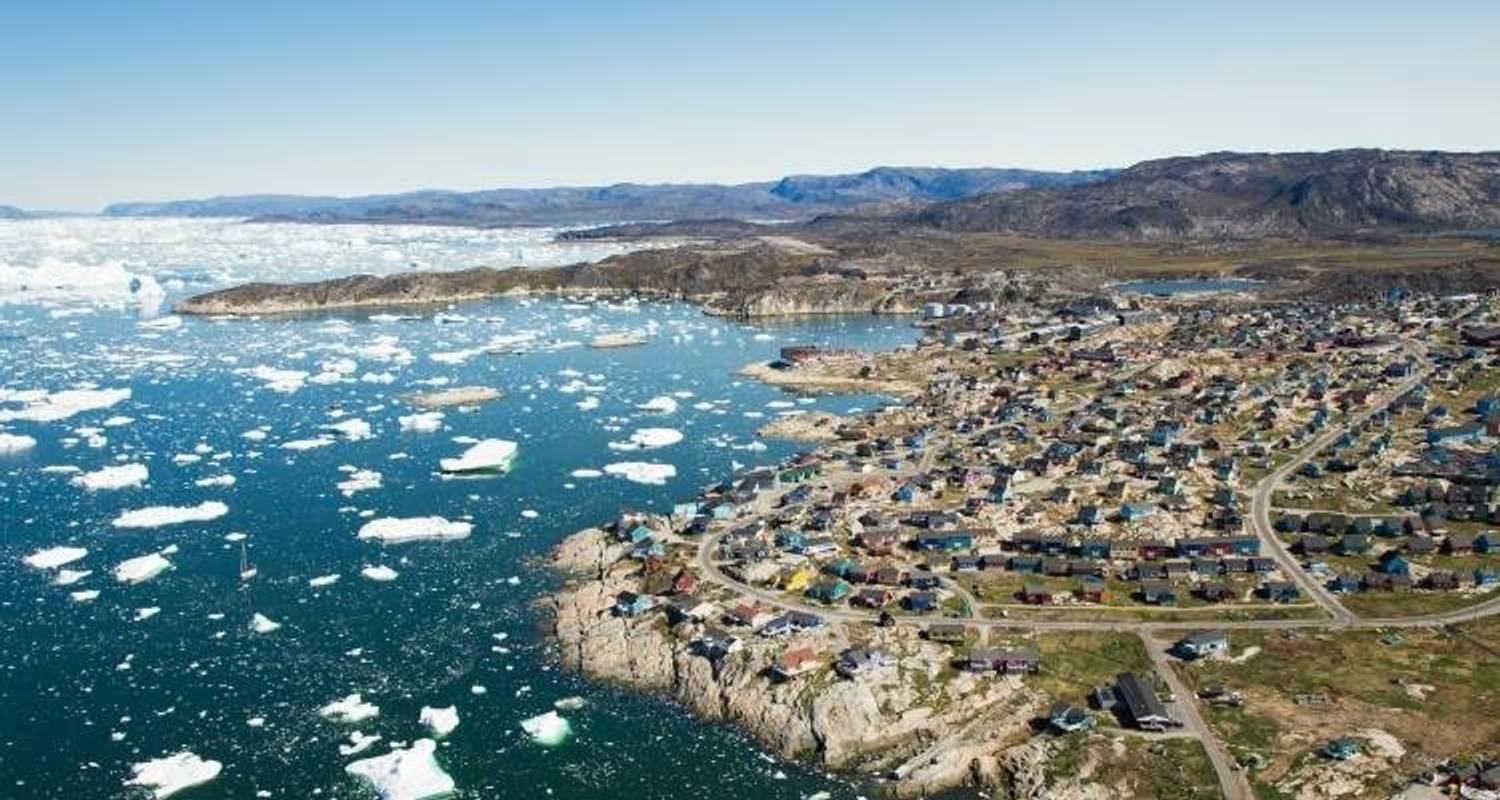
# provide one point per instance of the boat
(247, 570)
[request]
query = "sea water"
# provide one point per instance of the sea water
(163, 447)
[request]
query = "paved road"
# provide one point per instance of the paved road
(1232, 782)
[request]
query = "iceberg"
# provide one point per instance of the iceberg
(359, 480)
(352, 429)
(379, 573)
(260, 623)
(142, 568)
(423, 422)
(285, 381)
(157, 516)
(169, 775)
(649, 439)
(648, 473)
(659, 405)
(349, 710)
(549, 729)
(490, 455)
(358, 743)
(410, 774)
(124, 476)
(39, 406)
(54, 557)
(84, 596)
(441, 721)
(68, 577)
(323, 580)
(12, 444)
(395, 530)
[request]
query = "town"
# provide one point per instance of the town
(1164, 473)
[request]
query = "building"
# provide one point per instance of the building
(1139, 705)
(1202, 645)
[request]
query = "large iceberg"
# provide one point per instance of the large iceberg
(410, 774)
(394, 530)
(169, 775)
(349, 710)
(157, 516)
(441, 721)
(11, 443)
(142, 568)
(549, 729)
(124, 476)
(54, 557)
(489, 455)
(39, 406)
(648, 473)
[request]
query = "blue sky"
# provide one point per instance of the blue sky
(106, 101)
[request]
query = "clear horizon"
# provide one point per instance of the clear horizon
(160, 101)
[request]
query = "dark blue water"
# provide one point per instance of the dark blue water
(87, 689)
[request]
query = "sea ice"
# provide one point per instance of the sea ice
(156, 516)
(652, 474)
(649, 439)
(549, 729)
(300, 445)
(349, 710)
(11, 444)
(358, 743)
(141, 568)
(490, 455)
(124, 476)
(169, 775)
(441, 721)
(39, 406)
(424, 422)
(395, 530)
(260, 623)
(352, 429)
(54, 557)
(659, 405)
(587, 473)
(68, 577)
(323, 580)
(359, 480)
(285, 381)
(380, 573)
(410, 774)
(84, 596)
(142, 614)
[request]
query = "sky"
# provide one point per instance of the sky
(111, 101)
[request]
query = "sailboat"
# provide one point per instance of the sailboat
(247, 570)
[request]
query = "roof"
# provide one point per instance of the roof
(1139, 698)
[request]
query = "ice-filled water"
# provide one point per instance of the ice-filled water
(143, 640)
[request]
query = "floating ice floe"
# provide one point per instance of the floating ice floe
(490, 455)
(301, 445)
(649, 473)
(141, 568)
(424, 422)
(215, 482)
(395, 530)
(587, 473)
(157, 516)
(54, 557)
(441, 721)
(260, 623)
(568, 703)
(40, 406)
(549, 729)
(410, 774)
(84, 596)
(323, 580)
(142, 614)
(11, 443)
(649, 439)
(359, 480)
(68, 577)
(124, 476)
(352, 429)
(358, 743)
(588, 403)
(168, 775)
(349, 710)
(659, 405)
(167, 323)
(379, 573)
(58, 280)
(285, 381)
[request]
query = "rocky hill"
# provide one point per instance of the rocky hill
(1249, 195)
(790, 198)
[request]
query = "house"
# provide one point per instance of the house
(920, 602)
(922, 579)
(828, 590)
(946, 543)
(947, 633)
(1035, 594)
(794, 662)
(1007, 661)
(1068, 718)
(1441, 580)
(1131, 512)
(1091, 590)
(1157, 593)
(1386, 581)
(714, 644)
(872, 597)
(1278, 591)
(1341, 749)
(1215, 592)
(857, 661)
(1202, 645)
(1392, 563)
(748, 615)
(1137, 701)
(630, 604)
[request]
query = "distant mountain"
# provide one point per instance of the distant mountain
(11, 212)
(791, 198)
(1249, 195)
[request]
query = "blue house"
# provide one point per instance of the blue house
(1093, 548)
(1456, 435)
(1130, 512)
(945, 542)
(1485, 576)
(906, 493)
(638, 534)
(1090, 515)
(630, 604)
(1391, 563)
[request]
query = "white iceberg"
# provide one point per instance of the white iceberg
(410, 774)
(142, 568)
(379, 573)
(549, 729)
(649, 473)
(441, 721)
(84, 596)
(54, 557)
(285, 381)
(40, 406)
(352, 429)
(300, 445)
(157, 516)
(68, 577)
(649, 439)
(124, 476)
(424, 422)
(323, 580)
(490, 455)
(260, 623)
(359, 480)
(349, 710)
(169, 775)
(659, 405)
(358, 743)
(395, 530)
(12, 444)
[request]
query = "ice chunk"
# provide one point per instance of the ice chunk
(424, 422)
(300, 445)
(54, 557)
(586, 473)
(490, 455)
(142, 568)
(285, 381)
(323, 580)
(215, 482)
(649, 473)
(156, 516)
(68, 577)
(649, 439)
(359, 480)
(142, 614)
(380, 573)
(354, 429)
(394, 530)
(39, 406)
(568, 703)
(549, 729)
(169, 775)
(441, 721)
(659, 405)
(410, 774)
(124, 476)
(84, 596)
(11, 444)
(260, 623)
(358, 743)
(349, 710)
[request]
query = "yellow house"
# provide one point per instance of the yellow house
(798, 579)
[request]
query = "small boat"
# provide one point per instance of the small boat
(247, 570)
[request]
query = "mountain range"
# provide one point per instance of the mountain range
(796, 197)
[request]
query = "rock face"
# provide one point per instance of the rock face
(1250, 195)
(888, 722)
